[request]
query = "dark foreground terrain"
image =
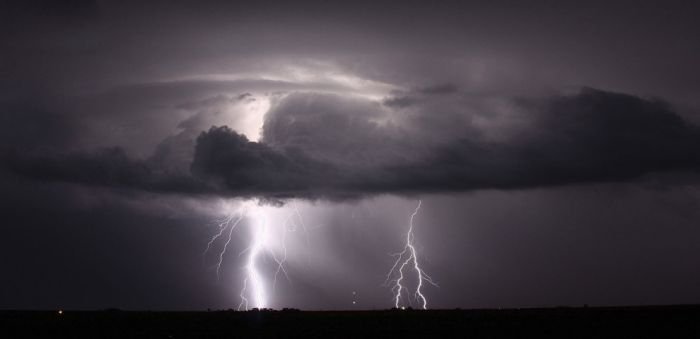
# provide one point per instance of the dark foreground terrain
(609, 322)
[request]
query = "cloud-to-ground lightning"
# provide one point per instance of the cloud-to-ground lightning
(253, 275)
(405, 258)
(262, 233)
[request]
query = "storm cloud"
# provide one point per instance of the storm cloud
(324, 146)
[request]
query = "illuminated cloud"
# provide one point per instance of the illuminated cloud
(325, 146)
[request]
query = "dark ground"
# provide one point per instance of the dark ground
(594, 322)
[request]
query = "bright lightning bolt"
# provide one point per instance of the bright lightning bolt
(227, 223)
(408, 257)
(254, 291)
(253, 276)
(244, 301)
(228, 241)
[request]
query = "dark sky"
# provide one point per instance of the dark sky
(554, 147)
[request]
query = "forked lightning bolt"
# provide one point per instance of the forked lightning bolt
(253, 275)
(253, 290)
(408, 257)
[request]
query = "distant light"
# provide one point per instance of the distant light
(403, 307)
(60, 312)
(353, 302)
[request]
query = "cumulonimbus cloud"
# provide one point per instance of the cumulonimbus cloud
(320, 146)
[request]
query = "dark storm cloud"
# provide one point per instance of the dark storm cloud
(325, 146)
(399, 101)
(109, 167)
(233, 162)
(440, 89)
(402, 100)
(593, 136)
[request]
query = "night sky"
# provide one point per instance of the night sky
(554, 147)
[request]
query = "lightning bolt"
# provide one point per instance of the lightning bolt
(408, 257)
(244, 301)
(254, 286)
(253, 289)
(259, 240)
(229, 222)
